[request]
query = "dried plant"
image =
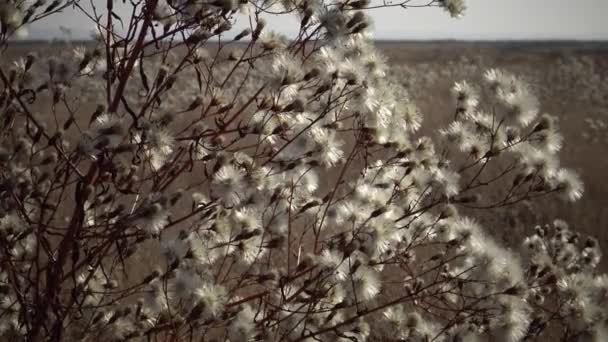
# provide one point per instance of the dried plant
(181, 185)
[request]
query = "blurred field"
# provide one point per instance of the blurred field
(571, 80)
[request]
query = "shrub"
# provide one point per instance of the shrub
(168, 182)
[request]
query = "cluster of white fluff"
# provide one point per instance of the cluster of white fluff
(562, 278)
(272, 190)
(508, 128)
(11, 18)
(16, 15)
(456, 8)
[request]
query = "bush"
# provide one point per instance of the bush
(168, 182)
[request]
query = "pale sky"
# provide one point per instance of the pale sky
(484, 19)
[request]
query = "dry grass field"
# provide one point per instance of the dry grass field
(571, 81)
